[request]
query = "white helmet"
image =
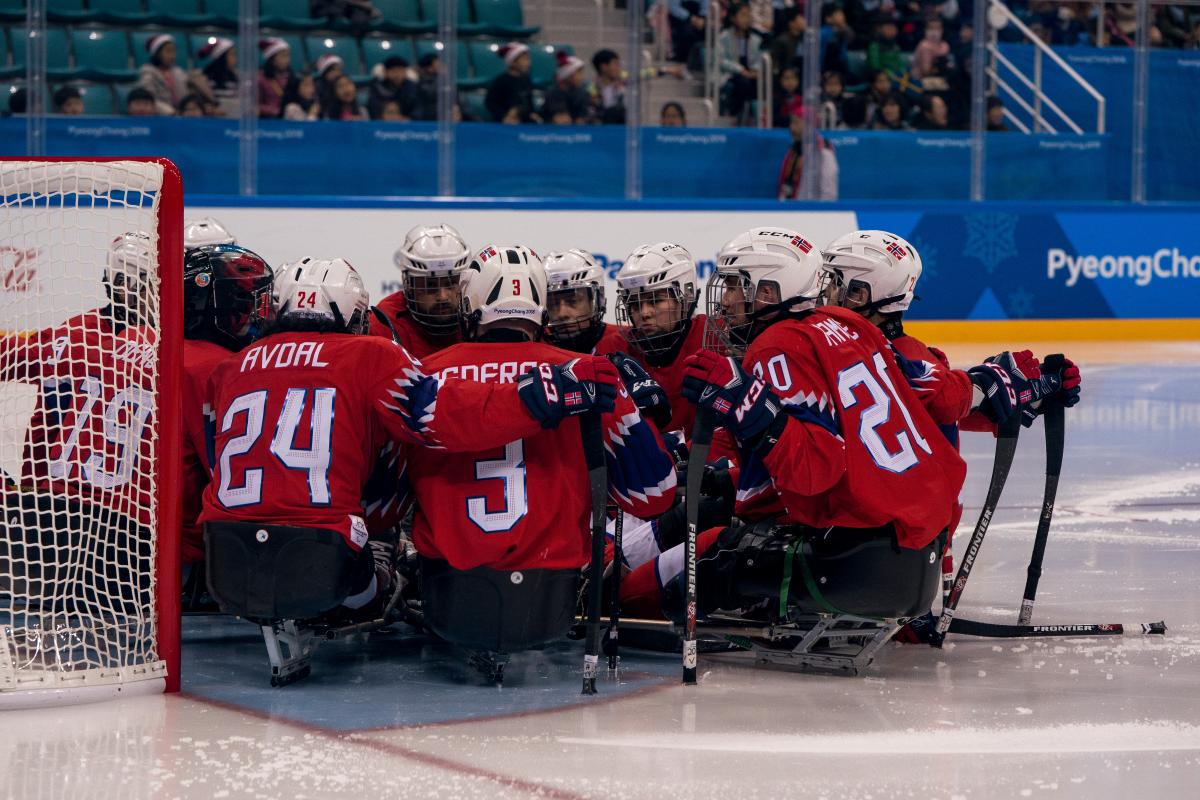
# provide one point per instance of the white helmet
(201, 232)
(503, 282)
(322, 291)
(127, 276)
(750, 262)
(572, 272)
(884, 264)
(432, 259)
(649, 270)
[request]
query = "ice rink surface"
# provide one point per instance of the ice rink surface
(1053, 718)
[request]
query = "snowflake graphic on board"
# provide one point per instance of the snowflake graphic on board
(929, 258)
(1020, 303)
(991, 238)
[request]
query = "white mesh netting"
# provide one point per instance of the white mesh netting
(79, 326)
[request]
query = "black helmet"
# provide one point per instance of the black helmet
(226, 294)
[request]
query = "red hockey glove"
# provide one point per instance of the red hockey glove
(551, 392)
(742, 402)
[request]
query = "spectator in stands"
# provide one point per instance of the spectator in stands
(995, 115)
(274, 77)
(883, 53)
(890, 115)
(328, 69)
(390, 112)
(791, 174)
(392, 83)
(68, 100)
(300, 102)
(568, 90)
(672, 116)
(833, 99)
(513, 88)
(1173, 25)
(934, 116)
(166, 82)
(555, 112)
(762, 16)
(140, 103)
(425, 104)
(687, 19)
(221, 72)
(608, 90)
(738, 50)
(1067, 25)
(18, 102)
(344, 105)
(1120, 21)
(788, 98)
(191, 106)
(787, 49)
(836, 38)
(930, 48)
(877, 90)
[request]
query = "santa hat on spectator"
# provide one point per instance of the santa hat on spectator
(268, 48)
(156, 43)
(326, 61)
(512, 51)
(568, 65)
(215, 48)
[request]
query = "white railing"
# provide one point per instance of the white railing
(999, 16)
(766, 91)
(712, 61)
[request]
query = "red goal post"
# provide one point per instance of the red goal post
(91, 342)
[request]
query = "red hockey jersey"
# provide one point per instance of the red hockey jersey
(615, 339)
(415, 339)
(301, 420)
(526, 504)
(860, 450)
(90, 435)
(200, 358)
(670, 377)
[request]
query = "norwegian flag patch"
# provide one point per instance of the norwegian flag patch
(573, 399)
(804, 245)
(897, 252)
(486, 253)
(721, 405)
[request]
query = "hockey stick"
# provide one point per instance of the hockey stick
(1006, 448)
(612, 643)
(998, 631)
(1055, 435)
(593, 453)
(702, 434)
(383, 318)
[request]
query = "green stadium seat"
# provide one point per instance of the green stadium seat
(300, 60)
(6, 71)
(101, 54)
(224, 12)
(7, 90)
(403, 16)
(57, 64)
(503, 18)
(180, 12)
(377, 49)
(486, 63)
(11, 11)
(68, 11)
(343, 46)
(543, 62)
(123, 12)
(474, 105)
(463, 71)
(467, 25)
(289, 14)
(97, 99)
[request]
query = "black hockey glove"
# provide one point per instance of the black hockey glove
(647, 395)
(584, 384)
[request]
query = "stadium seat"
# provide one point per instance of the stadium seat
(6, 71)
(403, 16)
(474, 106)
(486, 63)
(543, 60)
(101, 55)
(503, 18)
(11, 11)
(57, 65)
(7, 90)
(377, 49)
(68, 11)
(291, 14)
(180, 12)
(97, 99)
(127, 12)
(467, 26)
(140, 37)
(224, 12)
(300, 61)
(343, 46)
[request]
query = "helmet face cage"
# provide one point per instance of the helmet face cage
(730, 306)
(433, 299)
(126, 277)
(630, 302)
(564, 332)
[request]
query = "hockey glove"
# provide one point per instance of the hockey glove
(742, 403)
(647, 395)
(1066, 382)
(551, 392)
(718, 480)
(998, 396)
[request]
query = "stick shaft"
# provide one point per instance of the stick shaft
(999, 631)
(1055, 424)
(593, 452)
(612, 644)
(697, 457)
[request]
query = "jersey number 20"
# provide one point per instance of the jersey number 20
(878, 413)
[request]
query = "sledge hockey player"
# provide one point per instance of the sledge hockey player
(205, 231)
(423, 317)
(226, 305)
(300, 418)
(875, 274)
(844, 477)
(502, 531)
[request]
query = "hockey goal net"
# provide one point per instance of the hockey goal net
(90, 347)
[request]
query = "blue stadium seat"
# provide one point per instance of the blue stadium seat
(5, 70)
(486, 63)
(224, 12)
(68, 11)
(474, 105)
(101, 54)
(179, 12)
(377, 49)
(403, 16)
(57, 64)
(503, 18)
(127, 12)
(344, 46)
(290, 14)
(7, 90)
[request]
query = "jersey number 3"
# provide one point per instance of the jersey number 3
(509, 469)
(876, 415)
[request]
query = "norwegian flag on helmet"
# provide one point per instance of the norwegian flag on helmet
(897, 252)
(486, 253)
(801, 243)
